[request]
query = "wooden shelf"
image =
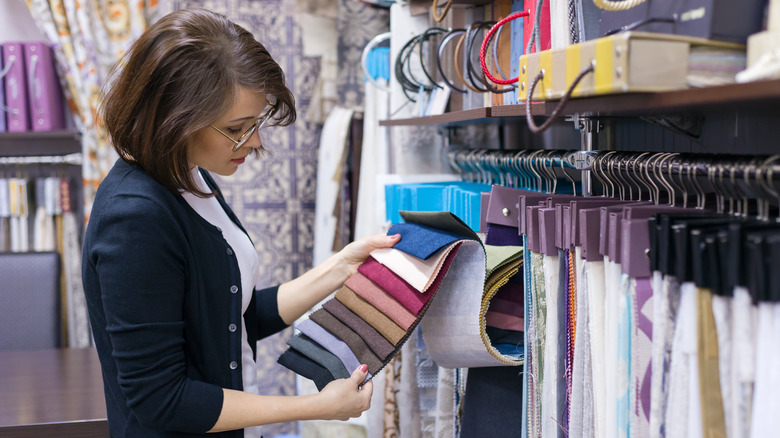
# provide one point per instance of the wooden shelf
(754, 96)
(22, 144)
(446, 118)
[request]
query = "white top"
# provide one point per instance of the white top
(249, 267)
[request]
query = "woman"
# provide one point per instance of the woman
(169, 273)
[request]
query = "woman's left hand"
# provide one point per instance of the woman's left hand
(354, 254)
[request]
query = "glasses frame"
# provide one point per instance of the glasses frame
(260, 121)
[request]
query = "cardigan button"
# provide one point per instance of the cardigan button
(232, 327)
(233, 289)
(229, 251)
(233, 364)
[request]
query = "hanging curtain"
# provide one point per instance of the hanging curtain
(87, 38)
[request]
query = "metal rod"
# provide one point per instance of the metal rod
(74, 159)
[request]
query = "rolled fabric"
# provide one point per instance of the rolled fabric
(300, 364)
(314, 351)
(367, 312)
(375, 341)
(361, 285)
(354, 342)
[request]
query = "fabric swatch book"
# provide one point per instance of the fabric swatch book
(43, 88)
(438, 261)
(15, 84)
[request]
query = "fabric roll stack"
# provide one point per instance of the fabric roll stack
(375, 311)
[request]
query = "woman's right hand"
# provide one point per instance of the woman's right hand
(342, 399)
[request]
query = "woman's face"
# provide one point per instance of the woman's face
(213, 151)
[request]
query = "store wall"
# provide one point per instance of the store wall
(16, 23)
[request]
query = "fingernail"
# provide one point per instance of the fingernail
(364, 368)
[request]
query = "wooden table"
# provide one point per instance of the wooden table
(47, 393)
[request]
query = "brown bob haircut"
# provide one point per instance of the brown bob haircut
(180, 76)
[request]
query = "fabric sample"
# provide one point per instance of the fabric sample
(498, 280)
(361, 285)
(300, 364)
(378, 344)
(505, 306)
(611, 321)
(721, 311)
(551, 417)
(641, 355)
(765, 420)
(451, 327)
(594, 273)
(418, 273)
(502, 235)
(307, 347)
(712, 417)
(581, 418)
(367, 312)
(504, 321)
(493, 395)
(422, 241)
(499, 336)
(745, 334)
(666, 302)
(331, 343)
(623, 376)
(395, 286)
(537, 340)
(354, 342)
(525, 411)
(682, 364)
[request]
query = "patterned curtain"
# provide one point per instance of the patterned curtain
(88, 37)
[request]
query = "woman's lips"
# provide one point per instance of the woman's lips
(239, 160)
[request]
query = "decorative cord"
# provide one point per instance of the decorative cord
(535, 30)
(449, 36)
(457, 65)
(447, 7)
(425, 36)
(547, 123)
(485, 42)
(574, 36)
(610, 5)
(406, 84)
(474, 73)
(496, 63)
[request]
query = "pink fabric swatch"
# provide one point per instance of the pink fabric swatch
(419, 273)
(400, 289)
(504, 321)
(380, 299)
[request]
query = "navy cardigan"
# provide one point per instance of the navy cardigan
(162, 288)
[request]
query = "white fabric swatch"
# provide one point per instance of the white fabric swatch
(594, 272)
(743, 367)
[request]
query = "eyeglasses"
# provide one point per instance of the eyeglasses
(259, 123)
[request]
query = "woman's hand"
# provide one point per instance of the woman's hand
(354, 254)
(342, 399)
